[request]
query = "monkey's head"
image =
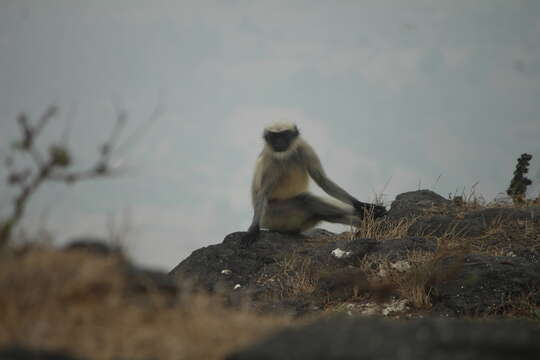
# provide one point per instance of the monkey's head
(281, 136)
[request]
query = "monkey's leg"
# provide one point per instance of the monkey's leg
(330, 210)
(288, 216)
(304, 211)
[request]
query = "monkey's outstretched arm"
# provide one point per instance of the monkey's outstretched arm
(318, 174)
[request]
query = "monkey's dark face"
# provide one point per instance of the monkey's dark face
(280, 141)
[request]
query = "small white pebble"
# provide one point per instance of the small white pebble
(237, 286)
(340, 253)
(369, 309)
(395, 306)
(401, 265)
(226, 272)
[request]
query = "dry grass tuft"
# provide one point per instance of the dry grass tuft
(409, 277)
(296, 276)
(382, 229)
(504, 236)
(80, 303)
(415, 276)
(470, 200)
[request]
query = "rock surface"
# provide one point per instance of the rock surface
(268, 272)
(474, 223)
(414, 203)
(486, 285)
(375, 339)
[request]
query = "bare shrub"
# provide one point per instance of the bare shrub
(52, 165)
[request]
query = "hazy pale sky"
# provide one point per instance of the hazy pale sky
(436, 94)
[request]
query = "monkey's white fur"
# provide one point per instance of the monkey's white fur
(279, 126)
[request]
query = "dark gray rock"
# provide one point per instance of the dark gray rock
(92, 245)
(20, 353)
(398, 249)
(259, 272)
(228, 264)
(375, 339)
(484, 284)
(474, 223)
(205, 266)
(393, 249)
(508, 213)
(438, 225)
(414, 203)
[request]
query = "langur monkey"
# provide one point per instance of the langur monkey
(279, 190)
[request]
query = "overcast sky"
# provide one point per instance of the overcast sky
(431, 94)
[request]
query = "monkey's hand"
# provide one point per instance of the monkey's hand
(379, 211)
(366, 209)
(249, 237)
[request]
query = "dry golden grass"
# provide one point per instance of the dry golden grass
(423, 269)
(80, 303)
(409, 277)
(380, 229)
(383, 229)
(414, 276)
(296, 276)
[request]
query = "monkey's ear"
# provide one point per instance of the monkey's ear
(296, 130)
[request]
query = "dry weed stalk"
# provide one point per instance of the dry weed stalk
(468, 200)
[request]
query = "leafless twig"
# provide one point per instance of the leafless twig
(50, 167)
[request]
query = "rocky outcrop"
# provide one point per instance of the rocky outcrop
(268, 271)
(299, 274)
(415, 203)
